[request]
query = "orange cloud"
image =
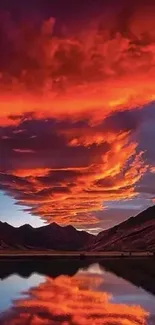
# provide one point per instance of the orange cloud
(94, 73)
(56, 92)
(35, 172)
(72, 194)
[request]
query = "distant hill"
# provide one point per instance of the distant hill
(136, 233)
(51, 236)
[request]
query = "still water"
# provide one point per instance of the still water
(70, 293)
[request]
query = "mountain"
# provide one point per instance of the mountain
(51, 236)
(136, 233)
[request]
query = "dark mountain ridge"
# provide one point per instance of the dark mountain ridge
(136, 233)
(51, 236)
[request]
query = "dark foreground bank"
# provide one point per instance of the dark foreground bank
(18, 254)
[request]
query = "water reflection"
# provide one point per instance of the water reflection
(79, 299)
(13, 286)
(50, 268)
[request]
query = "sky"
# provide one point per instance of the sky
(77, 111)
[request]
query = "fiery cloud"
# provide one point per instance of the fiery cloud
(66, 300)
(68, 100)
(66, 180)
(96, 72)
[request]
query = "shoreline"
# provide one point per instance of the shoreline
(69, 255)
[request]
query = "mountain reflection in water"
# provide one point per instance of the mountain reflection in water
(72, 300)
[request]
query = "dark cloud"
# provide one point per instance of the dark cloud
(42, 56)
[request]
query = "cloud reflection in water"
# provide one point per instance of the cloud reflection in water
(72, 301)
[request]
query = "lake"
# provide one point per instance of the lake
(71, 293)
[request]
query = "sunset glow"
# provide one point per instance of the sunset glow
(77, 109)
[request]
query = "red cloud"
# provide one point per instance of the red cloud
(62, 153)
(63, 181)
(99, 71)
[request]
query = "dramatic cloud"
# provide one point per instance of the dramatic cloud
(64, 171)
(101, 68)
(74, 94)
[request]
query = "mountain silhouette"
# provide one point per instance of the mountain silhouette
(52, 237)
(136, 233)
